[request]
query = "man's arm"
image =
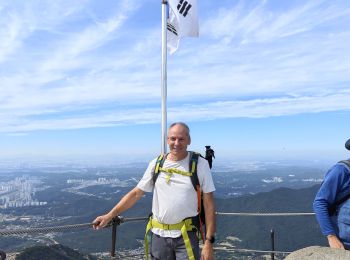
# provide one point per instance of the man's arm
(125, 203)
(209, 208)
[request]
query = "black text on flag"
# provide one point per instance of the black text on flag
(183, 7)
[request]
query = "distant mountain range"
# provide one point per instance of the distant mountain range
(291, 233)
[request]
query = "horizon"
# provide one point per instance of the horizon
(224, 164)
(264, 80)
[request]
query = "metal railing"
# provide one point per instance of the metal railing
(120, 220)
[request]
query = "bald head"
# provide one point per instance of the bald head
(181, 124)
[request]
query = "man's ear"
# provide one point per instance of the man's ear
(189, 140)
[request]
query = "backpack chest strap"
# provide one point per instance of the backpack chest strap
(170, 171)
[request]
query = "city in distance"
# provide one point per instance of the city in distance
(50, 194)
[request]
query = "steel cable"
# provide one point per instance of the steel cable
(120, 219)
(264, 214)
(9, 232)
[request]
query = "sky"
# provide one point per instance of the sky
(264, 80)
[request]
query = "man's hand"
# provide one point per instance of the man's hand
(102, 221)
(207, 251)
(125, 203)
(334, 242)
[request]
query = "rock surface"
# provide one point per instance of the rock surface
(318, 253)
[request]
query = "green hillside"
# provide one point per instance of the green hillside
(291, 232)
(53, 252)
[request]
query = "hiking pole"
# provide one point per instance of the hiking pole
(209, 154)
(115, 222)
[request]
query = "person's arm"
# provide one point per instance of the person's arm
(125, 203)
(336, 182)
(209, 208)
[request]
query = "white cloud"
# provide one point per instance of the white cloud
(247, 22)
(9, 35)
(254, 108)
(65, 65)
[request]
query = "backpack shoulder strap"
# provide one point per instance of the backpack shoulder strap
(159, 163)
(196, 185)
(193, 169)
(346, 163)
(333, 208)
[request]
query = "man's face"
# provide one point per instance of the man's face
(178, 140)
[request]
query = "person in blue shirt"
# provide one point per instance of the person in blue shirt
(332, 205)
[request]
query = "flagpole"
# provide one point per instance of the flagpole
(164, 76)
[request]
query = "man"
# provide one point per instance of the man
(174, 200)
(332, 204)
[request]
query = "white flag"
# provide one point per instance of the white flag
(182, 22)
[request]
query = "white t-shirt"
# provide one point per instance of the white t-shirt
(175, 200)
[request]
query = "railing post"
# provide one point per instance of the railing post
(115, 222)
(114, 237)
(2, 255)
(272, 233)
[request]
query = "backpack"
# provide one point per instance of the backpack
(200, 221)
(333, 208)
